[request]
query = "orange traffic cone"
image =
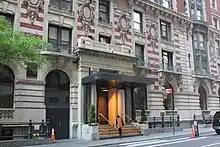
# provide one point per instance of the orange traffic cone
(193, 132)
(53, 136)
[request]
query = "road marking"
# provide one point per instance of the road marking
(211, 144)
(175, 142)
(149, 142)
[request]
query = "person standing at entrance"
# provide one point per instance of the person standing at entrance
(119, 125)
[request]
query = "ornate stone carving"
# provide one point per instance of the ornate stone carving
(123, 26)
(130, 4)
(153, 34)
(33, 7)
(86, 15)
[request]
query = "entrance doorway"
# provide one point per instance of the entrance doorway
(202, 98)
(111, 101)
(57, 93)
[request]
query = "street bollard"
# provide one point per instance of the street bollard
(48, 128)
(178, 120)
(30, 129)
(0, 131)
(196, 128)
(162, 121)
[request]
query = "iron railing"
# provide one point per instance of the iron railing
(163, 121)
(63, 49)
(28, 130)
(202, 119)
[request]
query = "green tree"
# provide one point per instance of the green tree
(19, 47)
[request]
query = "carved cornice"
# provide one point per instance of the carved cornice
(105, 55)
(160, 10)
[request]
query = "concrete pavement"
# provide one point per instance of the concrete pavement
(117, 141)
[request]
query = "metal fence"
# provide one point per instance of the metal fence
(27, 130)
(163, 121)
(202, 119)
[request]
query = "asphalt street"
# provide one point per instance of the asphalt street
(212, 140)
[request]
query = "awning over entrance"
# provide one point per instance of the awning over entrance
(120, 77)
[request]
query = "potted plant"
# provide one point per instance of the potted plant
(144, 123)
(90, 129)
(92, 116)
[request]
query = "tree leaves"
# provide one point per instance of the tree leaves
(19, 47)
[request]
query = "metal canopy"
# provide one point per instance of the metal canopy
(120, 77)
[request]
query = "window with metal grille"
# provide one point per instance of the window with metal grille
(104, 11)
(165, 30)
(137, 21)
(62, 4)
(60, 37)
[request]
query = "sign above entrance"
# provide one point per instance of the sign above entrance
(169, 91)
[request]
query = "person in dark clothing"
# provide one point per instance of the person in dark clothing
(119, 125)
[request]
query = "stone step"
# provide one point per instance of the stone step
(117, 135)
(116, 132)
(108, 131)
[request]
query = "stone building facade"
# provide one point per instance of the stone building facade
(174, 43)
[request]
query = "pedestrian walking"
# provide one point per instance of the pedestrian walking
(119, 125)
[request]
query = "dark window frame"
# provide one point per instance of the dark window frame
(165, 27)
(30, 72)
(7, 15)
(59, 41)
(106, 4)
(108, 39)
(7, 78)
(139, 23)
(170, 60)
(59, 5)
(141, 58)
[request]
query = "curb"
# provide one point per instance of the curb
(127, 141)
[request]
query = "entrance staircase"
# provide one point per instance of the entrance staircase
(108, 131)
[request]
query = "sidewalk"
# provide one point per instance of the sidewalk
(81, 143)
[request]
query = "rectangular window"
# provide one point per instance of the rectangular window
(60, 37)
(31, 70)
(8, 17)
(189, 59)
(137, 22)
(165, 30)
(201, 41)
(213, 4)
(215, 23)
(219, 69)
(204, 65)
(105, 39)
(104, 11)
(139, 52)
(167, 60)
(199, 14)
(167, 3)
(217, 47)
(62, 4)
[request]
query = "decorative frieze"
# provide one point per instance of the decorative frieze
(87, 16)
(123, 26)
(33, 7)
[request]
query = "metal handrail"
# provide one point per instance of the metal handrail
(104, 118)
(108, 122)
(137, 127)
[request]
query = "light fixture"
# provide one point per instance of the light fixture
(104, 89)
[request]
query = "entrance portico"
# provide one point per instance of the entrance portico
(113, 94)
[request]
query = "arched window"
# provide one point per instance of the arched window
(6, 87)
(202, 98)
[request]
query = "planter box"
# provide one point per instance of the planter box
(90, 132)
(144, 129)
